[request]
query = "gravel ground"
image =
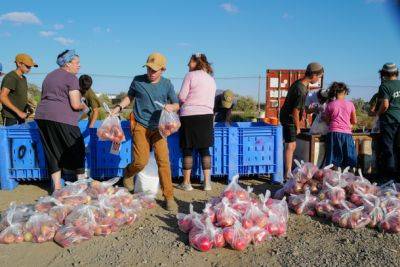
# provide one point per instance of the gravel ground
(155, 240)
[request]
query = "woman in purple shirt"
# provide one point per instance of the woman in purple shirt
(57, 118)
(197, 104)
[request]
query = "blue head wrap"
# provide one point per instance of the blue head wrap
(66, 57)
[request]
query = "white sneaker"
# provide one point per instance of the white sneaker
(185, 187)
(207, 187)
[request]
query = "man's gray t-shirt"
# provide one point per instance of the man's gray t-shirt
(145, 93)
(55, 104)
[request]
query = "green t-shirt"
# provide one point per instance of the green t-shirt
(18, 95)
(390, 90)
(296, 98)
(92, 101)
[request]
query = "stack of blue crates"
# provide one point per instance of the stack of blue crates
(243, 149)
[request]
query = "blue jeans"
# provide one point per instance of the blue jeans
(340, 150)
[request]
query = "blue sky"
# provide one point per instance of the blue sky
(352, 39)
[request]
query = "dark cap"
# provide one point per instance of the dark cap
(389, 67)
(314, 67)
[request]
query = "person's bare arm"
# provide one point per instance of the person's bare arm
(353, 118)
(5, 100)
(296, 119)
(124, 103)
(171, 107)
(93, 117)
(384, 106)
(75, 100)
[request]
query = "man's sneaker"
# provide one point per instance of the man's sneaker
(185, 187)
(170, 205)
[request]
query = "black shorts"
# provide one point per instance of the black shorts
(289, 133)
(63, 146)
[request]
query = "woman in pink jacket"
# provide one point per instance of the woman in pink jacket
(197, 103)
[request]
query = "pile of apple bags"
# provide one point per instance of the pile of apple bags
(347, 199)
(73, 214)
(236, 218)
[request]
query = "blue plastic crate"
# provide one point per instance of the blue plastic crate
(105, 165)
(246, 149)
(243, 148)
(260, 150)
(23, 156)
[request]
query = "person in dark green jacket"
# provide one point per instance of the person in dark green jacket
(389, 120)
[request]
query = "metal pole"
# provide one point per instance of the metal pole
(259, 89)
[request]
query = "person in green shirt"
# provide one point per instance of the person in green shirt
(292, 110)
(389, 120)
(14, 92)
(90, 98)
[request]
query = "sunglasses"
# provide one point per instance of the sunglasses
(26, 66)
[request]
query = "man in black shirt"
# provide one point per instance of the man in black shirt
(292, 110)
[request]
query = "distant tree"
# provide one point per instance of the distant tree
(364, 121)
(104, 98)
(121, 95)
(246, 106)
(34, 94)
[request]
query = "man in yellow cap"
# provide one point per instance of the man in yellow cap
(14, 91)
(145, 90)
(223, 105)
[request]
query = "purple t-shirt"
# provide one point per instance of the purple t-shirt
(55, 104)
(339, 114)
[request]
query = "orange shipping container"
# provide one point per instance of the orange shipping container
(278, 84)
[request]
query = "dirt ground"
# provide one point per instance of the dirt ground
(155, 240)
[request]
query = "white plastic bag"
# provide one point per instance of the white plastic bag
(169, 122)
(147, 180)
(110, 129)
(319, 126)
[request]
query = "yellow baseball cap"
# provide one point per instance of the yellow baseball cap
(25, 59)
(156, 61)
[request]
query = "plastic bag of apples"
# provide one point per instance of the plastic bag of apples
(169, 122)
(110, 129)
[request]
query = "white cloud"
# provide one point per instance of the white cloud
(58, 26)
(21, 18)
(70, 21)
(46, 33)
(287, 16)
(375, 1)
(108, 30)
(230, 8)
(64, 41)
